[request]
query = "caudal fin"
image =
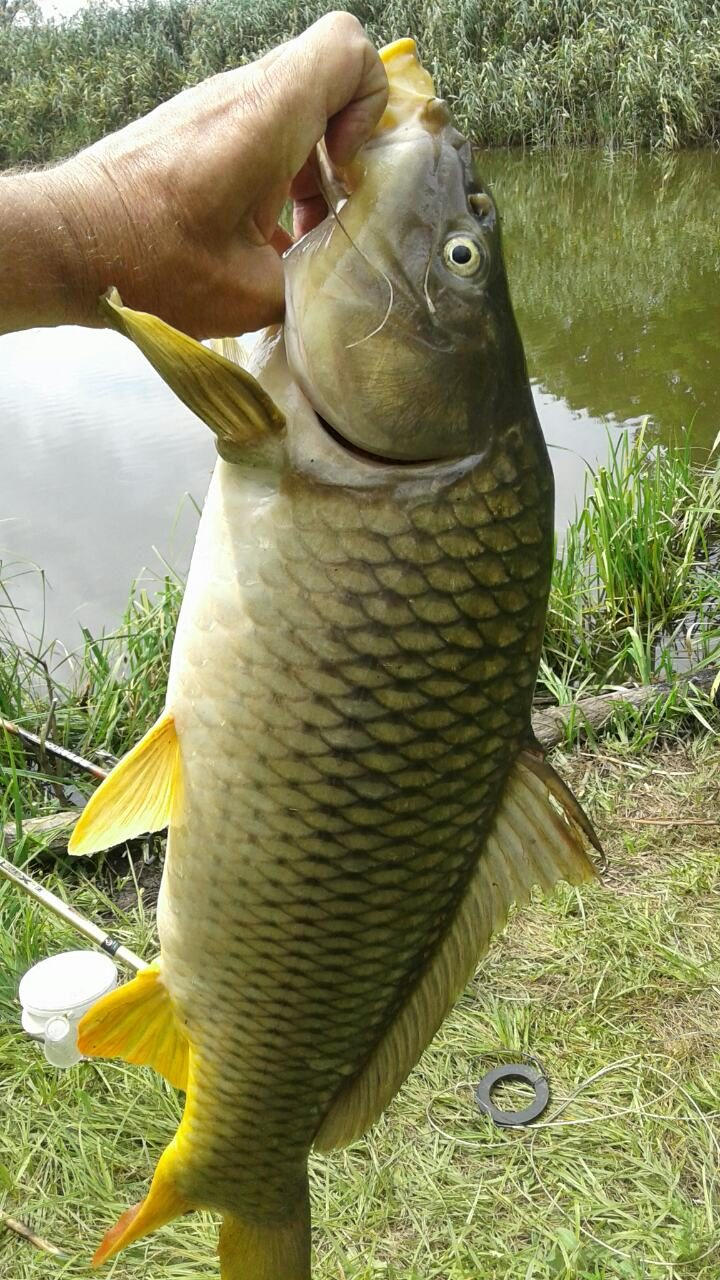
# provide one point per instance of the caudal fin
(273, 1251)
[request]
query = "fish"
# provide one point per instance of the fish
(345, 762)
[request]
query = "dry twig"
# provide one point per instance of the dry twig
(22, 1230)
(550, 724)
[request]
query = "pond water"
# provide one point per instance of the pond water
(614, 269)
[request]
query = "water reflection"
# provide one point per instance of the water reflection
(614, 270)
(97, 457)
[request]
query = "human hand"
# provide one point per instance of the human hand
(180, 209)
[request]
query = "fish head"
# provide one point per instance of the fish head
(399, 328)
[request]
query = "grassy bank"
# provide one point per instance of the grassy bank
(618, 73)
(616, 991)
(636, 586)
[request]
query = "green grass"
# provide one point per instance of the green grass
(637, 581)
(618, 73)
(616, 991)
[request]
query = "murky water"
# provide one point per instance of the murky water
(615, 273)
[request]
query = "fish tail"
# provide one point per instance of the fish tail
(267, 1251)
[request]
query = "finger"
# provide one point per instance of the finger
(281, 240)
(248, 294)
(331, 70)
(309, 205)
(307, 182)
(307, 214)
(348, 130)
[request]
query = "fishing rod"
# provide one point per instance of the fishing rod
(72, 917)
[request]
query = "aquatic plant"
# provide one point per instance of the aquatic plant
(618, 73)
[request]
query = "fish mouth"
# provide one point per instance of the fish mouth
(366, 456)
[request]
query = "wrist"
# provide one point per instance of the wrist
(70, 239)
(67, 242)
(81, 219)
(44, 277)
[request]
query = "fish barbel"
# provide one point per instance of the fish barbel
(345, 761)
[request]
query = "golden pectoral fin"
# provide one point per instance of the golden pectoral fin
(538, 837)
(225, 396)
(142, 793)
(136, 1022)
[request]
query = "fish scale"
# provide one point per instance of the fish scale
(345, 761)
(388, 810)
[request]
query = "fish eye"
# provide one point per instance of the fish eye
(463, 256)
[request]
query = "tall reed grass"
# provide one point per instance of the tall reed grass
(619, 73)
(636, 586)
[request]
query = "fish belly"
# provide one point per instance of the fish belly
(351, 681)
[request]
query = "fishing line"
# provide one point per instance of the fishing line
(523, 1134)
(326, 177)
(430, 304)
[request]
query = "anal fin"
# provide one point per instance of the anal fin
(139, 795)
(136, 1022)
(530, 843)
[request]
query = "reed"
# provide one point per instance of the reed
(636, 583)
(615, 73)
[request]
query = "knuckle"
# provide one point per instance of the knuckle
(344, 25)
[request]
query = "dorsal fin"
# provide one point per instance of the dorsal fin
(530, 843)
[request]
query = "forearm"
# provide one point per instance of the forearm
(40, 258)
(179, 210)
(58, 234)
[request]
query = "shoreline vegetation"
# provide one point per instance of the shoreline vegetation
(616, 990)
(618, 74)
(634, 602)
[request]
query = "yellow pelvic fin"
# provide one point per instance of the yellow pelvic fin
(162, 1203)
(136, 1022)
(276, 1251)
(226, 397)
(411, 87)
(530, 843)
(141, 794)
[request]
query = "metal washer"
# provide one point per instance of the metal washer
(513, 1071)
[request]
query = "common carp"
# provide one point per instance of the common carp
(345, 761)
